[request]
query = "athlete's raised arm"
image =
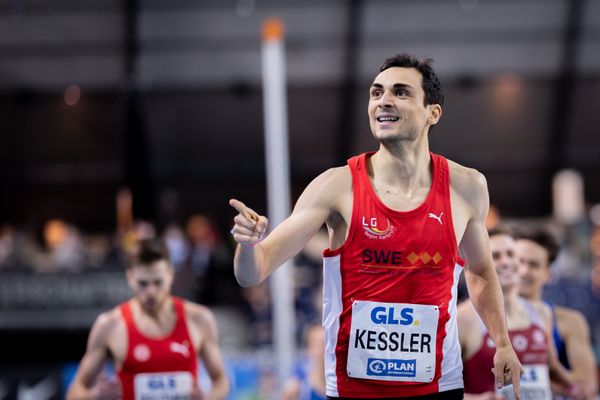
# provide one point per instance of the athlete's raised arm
(256, 258)
(482, 281)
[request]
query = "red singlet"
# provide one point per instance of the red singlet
(531, 346)
(390, 294)
(158, 368)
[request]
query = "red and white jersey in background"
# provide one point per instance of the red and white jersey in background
(531, 345)
(158, 368)
(389, 295)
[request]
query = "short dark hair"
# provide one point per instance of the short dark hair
(147, 252)
(431, 83)
(542, 237)
(500, 230)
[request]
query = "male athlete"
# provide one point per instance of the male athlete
(528, 329)
(154, 340)
(396, 220)
(536, 251)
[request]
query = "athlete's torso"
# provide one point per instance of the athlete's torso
(156, 368)
(531, 346)
(390, 295)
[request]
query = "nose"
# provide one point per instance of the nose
(505, 262)
(150, 290)
(385, 100)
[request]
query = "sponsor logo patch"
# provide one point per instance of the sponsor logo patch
(376, 228)
(394, 367)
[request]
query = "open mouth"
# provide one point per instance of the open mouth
(387, 119)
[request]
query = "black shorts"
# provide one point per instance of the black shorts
(456, 394)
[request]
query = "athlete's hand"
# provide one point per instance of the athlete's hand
(108, 389)
(197, 394)
(249, 226)
(507, 369)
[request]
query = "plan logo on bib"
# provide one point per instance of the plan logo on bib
(376, 228)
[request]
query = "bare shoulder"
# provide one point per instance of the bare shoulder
(108, 321)
(467, 182)
(106, 326)
(332, 183)
(544, 310)
(330, 193)
(570, 320)
(200, 316)
(540, 307)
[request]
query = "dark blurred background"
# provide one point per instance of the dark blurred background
(123, 119)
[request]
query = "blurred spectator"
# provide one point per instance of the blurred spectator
(175, 240)
(258, 309)
(97, 248)
(493, 218)
(126, 239)
(202, 241)
(308, 382)
(208, 266)
(7, 246)
(63, 248)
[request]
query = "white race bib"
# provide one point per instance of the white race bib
(163, 386)
(392, 341)
(535, 384)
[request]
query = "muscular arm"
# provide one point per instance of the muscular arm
(482, 282)
(96, 355)
(576, 333)
(210, 353)
(255, 261)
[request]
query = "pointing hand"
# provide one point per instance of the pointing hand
(249, 227)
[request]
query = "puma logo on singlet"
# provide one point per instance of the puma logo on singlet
(439, 219)
(180, 348)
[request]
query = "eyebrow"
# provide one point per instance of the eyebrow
(396, 86)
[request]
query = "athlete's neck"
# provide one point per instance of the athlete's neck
(402, 167)
(511, 299)
(159, 313)
(533, 297)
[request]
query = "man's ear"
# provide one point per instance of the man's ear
(435, 113)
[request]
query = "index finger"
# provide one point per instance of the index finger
(243, 209)
(516, 381)
(498, 377)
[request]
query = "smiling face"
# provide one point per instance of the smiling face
(505, 261)
(397, 110)
(151, 284)
(534, 268)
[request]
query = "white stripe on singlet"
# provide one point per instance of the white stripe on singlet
(332, 308)
(451, 359)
